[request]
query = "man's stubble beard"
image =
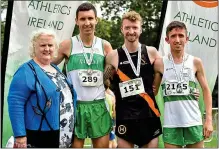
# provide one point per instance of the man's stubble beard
(132, 41)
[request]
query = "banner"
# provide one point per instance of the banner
(28, 16)
(200, 18)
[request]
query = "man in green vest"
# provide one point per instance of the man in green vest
(84, 55)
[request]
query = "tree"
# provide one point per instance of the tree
(4, 5)
(150, 11)
(108, 30)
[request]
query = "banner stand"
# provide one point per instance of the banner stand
(4, 59)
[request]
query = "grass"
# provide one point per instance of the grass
(7, 132)
(87, 142)
(212, 144)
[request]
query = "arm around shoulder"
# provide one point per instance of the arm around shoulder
(63, 51)
(107, 47)
(111, 64)
(158, 72)
(153, 54)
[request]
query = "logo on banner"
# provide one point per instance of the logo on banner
(207, 3)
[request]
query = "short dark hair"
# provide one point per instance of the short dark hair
(175, 24)
(86, 7)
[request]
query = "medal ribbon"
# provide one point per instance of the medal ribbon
(180, 77)
(88, 61)
(137, 72)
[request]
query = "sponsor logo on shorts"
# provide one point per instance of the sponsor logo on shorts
(122, 129)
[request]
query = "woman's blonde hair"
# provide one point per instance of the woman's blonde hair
(36, 34)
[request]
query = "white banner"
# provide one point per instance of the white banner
(31, 15)
(28, 16)
(200, 18)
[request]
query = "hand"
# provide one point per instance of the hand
(196, 93)
(20, 142)
(208, 129)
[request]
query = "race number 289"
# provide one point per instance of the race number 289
(89, 79)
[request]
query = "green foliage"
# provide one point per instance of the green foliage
(110, 31)
(76, 30)
(150, 10)
(4, 5)
(107, 30)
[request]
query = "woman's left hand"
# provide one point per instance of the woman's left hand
(20, 142)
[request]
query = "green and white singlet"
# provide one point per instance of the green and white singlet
(89, 86)
(181, 109)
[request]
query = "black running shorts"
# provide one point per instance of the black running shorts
(139, 132)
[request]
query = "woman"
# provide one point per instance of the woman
(41, 101)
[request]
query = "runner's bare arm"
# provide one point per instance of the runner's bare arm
(111, 64)
(153, 54)
(63, 51)
(107, 47)
(200, 74)
(158, 72)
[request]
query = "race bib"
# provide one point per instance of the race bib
(176, 89)
(95, 78)
(131, 87)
